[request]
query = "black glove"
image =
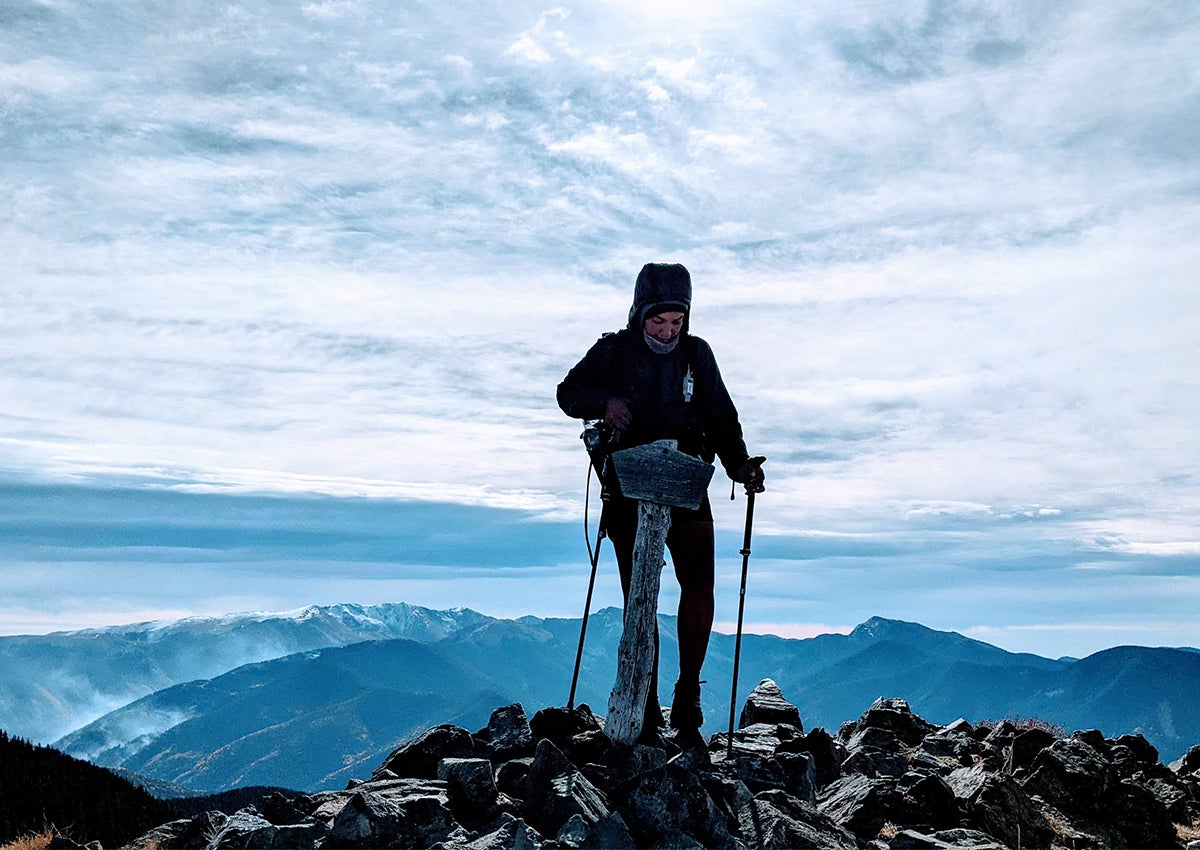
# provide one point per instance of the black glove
(750, 473)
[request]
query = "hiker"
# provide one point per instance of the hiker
(653, 381)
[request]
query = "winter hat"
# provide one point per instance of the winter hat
(661, 287)
(665, 307)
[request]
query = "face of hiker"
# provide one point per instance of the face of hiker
(664, 327)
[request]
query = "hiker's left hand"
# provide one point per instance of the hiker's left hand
(751, 474)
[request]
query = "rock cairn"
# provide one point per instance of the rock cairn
(887, 781)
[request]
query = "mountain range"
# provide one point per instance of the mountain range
(56, 683)
(322, 714)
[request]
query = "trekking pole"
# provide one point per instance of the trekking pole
(737, 650)
(587, 607)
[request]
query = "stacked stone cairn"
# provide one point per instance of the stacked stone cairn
(886, 781)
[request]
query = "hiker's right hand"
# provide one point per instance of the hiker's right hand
(617, 413)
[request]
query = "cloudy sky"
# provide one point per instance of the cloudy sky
(287, 288)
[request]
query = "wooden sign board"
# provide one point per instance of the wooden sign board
(660, 473)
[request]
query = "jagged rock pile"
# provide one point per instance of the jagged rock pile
(887, 780)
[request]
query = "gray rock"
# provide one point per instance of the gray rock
(471, 787)
(419, 758)
(1188, 763)
(1138, 816)
(827, 754)
(574, 832)
(673, 800)
(589, 746)
(999, 806)
(610, 833)
(1026, 746)
(1072, 775)
(858, 803)
(956, 839)
(728, 792)
(510, 777)
(560, 725)
(879, 761)
(513, 834)
(1171, 793)
(247, 828)
(623, 767)
(760, 774)
(366, 820)
(556, 790)
(766, 704)
(185, 834)
(509, 733)
(895, 716)
(799, 775)
(879, 750)
(406, 813)
(925, 799)
(1145, 753)
(761, 739)
(774, 820)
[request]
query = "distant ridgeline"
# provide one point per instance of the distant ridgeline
(314, 698)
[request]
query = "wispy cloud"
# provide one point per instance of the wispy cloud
(945, 254)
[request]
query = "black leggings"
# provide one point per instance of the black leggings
(690, 542)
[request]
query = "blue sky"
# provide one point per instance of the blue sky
(287, 288)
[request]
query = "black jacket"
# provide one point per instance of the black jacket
(622, 365)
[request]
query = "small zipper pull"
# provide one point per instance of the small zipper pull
(688, 385)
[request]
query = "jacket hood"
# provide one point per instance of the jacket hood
(661, 283)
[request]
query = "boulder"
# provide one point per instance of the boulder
(1144, 753)
(1138, 817)
(827, 754)
(556, 790)
(510, 777)
(759, 774)
(799, 775)
(609, 833)
(1025, 747)
(774, 820)
(1188, 763)
(560, 725)
(186, 834)
(1071, 774)
(996, 804)
(762, 739)
(248, 828)
(510, 834)
(875, 752)
(925, 799)
(589, 746)
(858, 803)
(670, 801)
(471, 788)
(952, 839)
(367, 820)
(509, 733)
(419, 758)
(622, 767)
(897, 717)
(767, 705)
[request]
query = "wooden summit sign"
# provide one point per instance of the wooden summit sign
(660, 477)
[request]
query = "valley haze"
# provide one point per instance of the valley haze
(312, 698)
(287, 289)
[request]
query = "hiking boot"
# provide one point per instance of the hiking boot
(685, 706)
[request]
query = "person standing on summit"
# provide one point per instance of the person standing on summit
(653, 381)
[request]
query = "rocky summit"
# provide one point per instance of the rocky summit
(887, 781)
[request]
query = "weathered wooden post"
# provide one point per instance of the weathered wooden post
(659, 477)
